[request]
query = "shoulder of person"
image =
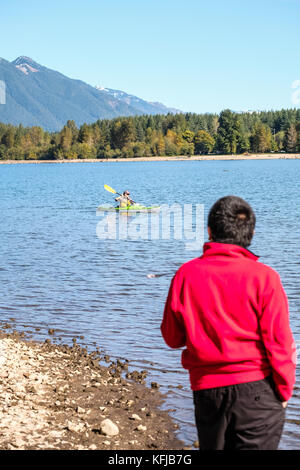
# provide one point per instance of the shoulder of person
(187, 267)
(268, 270)
(268, 277)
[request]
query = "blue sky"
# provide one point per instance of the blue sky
(195, 55)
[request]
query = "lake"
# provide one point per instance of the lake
(56, 272)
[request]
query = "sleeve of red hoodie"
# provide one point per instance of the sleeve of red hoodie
(277, 337)
(172, 327)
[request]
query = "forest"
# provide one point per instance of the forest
(160, 135)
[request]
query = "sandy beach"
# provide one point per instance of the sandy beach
(266, 156)
(60, 397)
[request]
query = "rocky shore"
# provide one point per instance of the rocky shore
(60, 397)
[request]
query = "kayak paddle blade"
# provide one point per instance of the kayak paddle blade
(109, 189)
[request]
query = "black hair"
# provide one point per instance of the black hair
(232, 220)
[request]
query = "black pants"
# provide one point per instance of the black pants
(246, 416)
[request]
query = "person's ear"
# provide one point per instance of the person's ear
(209, 234)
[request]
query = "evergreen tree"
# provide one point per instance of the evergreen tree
(74, 130)
(261, 138)
(65, 138)
(228, 132)
(279, 139)
(122, 133)
(291, 139)
(85, 135)
(8, 138)
(168, 134)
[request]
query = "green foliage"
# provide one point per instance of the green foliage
(228, 132)
(204, 142)
(279, 140)
(291, 139)
(261, 138)
(159, 135)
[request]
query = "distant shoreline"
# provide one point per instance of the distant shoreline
(265, 156)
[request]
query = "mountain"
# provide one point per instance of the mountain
(145, 107)
(38, 96)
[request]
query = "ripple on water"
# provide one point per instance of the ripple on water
(56, 273)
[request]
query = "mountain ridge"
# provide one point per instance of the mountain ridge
(39, 96)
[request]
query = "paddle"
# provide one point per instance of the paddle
(111, 190)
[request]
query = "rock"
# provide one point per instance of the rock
(141, 428)
(80, 410)
(62, 388)
(136, 417)
(93, 447)
(154, 385)
(96, 385)
(51, 331)
(75, 427)
(108, 428)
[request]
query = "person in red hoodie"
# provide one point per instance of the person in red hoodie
(230, 312)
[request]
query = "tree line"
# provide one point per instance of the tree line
(159, 135)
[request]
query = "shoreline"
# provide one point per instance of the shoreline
(55, 396)
(265, 156)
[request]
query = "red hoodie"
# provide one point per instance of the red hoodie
(231, 313)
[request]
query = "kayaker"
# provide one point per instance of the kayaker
(124, 200)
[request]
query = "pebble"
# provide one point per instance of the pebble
(75, 427)
(141, 428)
(136, 417)
(41, 395)
(108, 428)
(154, 385)
(80, 410)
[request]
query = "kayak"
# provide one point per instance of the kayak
(135, 208)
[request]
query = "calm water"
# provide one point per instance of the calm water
(55, 271)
